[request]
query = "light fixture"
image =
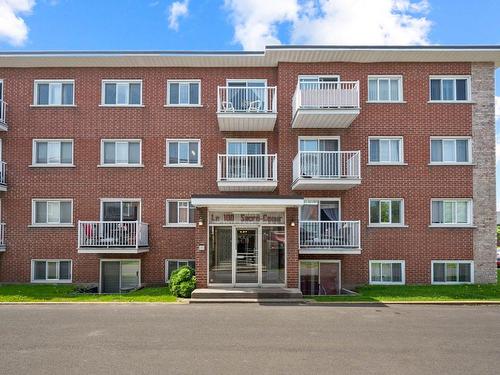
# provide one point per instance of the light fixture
(200, 222)
(292, 223)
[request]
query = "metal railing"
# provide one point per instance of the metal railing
(112, 234)
(247, 167)
(2, 234)
(3, 112)
(324, 95)
(327, 164)
(330, 234)
(246, 99)
(3, 168)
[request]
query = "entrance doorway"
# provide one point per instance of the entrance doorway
(119, 276)
(320, 278)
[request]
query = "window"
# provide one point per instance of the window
(183, 153)
(451, 212)
(246, 95)
(385, 89)
(121, 210)
(387, 272)
(450, 89)
(122, 93)
(52, 212)
(120, 276)
(51, 271)
(318, 82)
(184, 93)
(452, 272)
(180, 213)
(52, 152)
(386, 150)
(450, 150)
(54, 93)
(320, 210)
(121, 153)
(173, 264)
(386, 212)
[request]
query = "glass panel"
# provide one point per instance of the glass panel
(329, 210)
(135, 93)
(395, 157)
(386, 272)
(53, 212)
(129, 275)
(122, 91)
(464, 272)
(174, 93)
(436, 150)
(66, 152)
(194, 93)
(328, 145)
(397, 272)
(134, 153)
(184, 93)
(67, 93)
(172, 213)
(65, 212)
(461, 87)
(462, 212)
(64, 270)
(329, 281)
(384, 149)
(438, 275)
(435, 89)
(462, 150)
(183, 208)
(41, 152)
(110, 93)
(53, 152)
(173, 148)
(309, 145)
(121, 152)
(309, 278)
(395, 89)
(396, 212)
(183, 152)
(247, 263)
(236, 148)
(40, 212)
(193, 152)
(448, 89)
(191, 212)
(109, 152)
(55, 93)
(449, 150)
(376, 272)
(451, 272)
(374, 150)
(449, 212)
(51, 270)
(256, 148)
(385, 215)
(39, 270)
(273, 255)
(43, 94)
(372, 89)
(374, 212)
(111, 211)
(130, 211)
(172, 265)
(220, 257)
(192, 264)
(309, 212)
(383, 87)
(437, 212)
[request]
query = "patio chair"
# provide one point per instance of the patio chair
(227, 106)
(254, 106)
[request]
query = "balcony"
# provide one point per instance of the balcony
(3, 181)
(325, 104)
(330, 237)
(326, 170)
(246, 108)
(247, 172)
(112, 237)
(3, 116)
(2, 237)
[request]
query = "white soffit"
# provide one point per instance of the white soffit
(246, 202)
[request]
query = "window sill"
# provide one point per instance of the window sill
(386, 101)
(387, 226)
(452, 226)
(52, 166)
(53, 105)
(193, 225)
(386, 283)
(120, 166)
(183, 166)
(450, 282)
(51, 281)
(449, 164)
(51, 226)
(386, 164)
(121, 105)
(451, 102)
(183, 105)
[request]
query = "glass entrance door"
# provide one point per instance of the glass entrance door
(247, 256)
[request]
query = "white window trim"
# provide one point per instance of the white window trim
(120, 165)
(401, 150)
(48, 81)
(119, 260)
(198, 81)
(403, 272)
(103, 92)
(121, 200)
(446, 163)
(469, 89)
(49, 225)
(52, 165)
(51, 281)
(182, 165)
(177, 225)
(387, 225)
(470, 213)
(471, 262)
(386, 76)
(174, 260)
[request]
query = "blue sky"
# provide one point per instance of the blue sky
(244, 24)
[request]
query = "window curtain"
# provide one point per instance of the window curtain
(329, 211)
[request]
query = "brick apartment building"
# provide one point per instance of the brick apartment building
(318, 168)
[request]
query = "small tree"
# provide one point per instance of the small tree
(182, 282)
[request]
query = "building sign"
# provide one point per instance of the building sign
(246, 218)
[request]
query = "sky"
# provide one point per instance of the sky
(247, 25)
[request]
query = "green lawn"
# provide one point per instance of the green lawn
(393, 293)
(66, 293)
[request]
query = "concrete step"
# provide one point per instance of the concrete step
(253, 294)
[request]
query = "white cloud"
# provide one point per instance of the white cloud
(13, 28)
(256, 21)
(177, 10)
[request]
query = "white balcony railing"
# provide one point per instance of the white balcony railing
(330, 234)
(327, 164)
(107, 234)
(325, 95)
(3, 167)
(247, 167)
(2, 234)
(3, 112)
(246, 99)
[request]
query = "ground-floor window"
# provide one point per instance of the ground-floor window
(452, 272)
(387, 272)
(118, 276)
(319, 277)
(50, 271)
(173, 264)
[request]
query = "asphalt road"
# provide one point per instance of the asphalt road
(249, 339)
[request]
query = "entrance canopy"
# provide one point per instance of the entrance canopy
(246, 202)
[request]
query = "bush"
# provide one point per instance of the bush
(182, 282)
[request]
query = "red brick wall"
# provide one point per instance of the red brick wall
(416, 120)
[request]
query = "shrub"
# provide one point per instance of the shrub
(182, 282)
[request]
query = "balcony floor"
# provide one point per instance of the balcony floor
(242, 121)
(303, 183)
(247, 185)
(333, 118)
(112, 250)
(331, 251)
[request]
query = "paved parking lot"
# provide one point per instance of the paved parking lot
(248, 339)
